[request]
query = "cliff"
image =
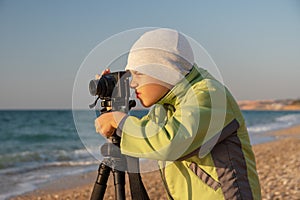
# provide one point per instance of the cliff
(283, 104)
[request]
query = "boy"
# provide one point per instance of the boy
(195, 128)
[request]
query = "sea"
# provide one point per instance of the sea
(38, 146)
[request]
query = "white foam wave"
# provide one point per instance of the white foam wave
(290, 119)
(21, 179)
(281, 122)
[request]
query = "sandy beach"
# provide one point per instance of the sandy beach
(278, 164)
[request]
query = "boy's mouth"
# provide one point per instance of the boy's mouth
(137, 94)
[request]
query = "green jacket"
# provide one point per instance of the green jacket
(198, 135)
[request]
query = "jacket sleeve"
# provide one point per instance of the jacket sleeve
(197, 118)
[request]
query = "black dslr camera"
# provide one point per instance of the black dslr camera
(114, 91)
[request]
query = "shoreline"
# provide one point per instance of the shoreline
(277, 161)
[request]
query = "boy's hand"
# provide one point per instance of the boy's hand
(98, 76)
(107, 123)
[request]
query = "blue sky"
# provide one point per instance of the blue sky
(255, 44)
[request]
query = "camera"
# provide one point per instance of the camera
(113, 89)
(109, 85)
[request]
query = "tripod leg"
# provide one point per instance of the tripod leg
(101, 182)
(137, 188)
(119, 181)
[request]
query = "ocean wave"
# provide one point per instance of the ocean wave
(280, 122)
(46, 158)
(21, 179)
(290, 119)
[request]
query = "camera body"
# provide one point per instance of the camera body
(113, 89)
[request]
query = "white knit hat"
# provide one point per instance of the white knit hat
(164, 54)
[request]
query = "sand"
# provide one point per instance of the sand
(278, 164)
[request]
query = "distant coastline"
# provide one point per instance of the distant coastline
(276, 105)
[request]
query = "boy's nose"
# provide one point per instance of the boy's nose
(133, 84)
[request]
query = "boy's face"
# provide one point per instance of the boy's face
(148, 89)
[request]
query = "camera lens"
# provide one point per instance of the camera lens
(93, 87)
(103, 87)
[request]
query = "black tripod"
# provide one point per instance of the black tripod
(118, 163)
(114, 91)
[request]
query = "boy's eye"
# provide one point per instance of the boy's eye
(137, 73)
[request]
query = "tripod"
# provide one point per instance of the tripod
(118, 163)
